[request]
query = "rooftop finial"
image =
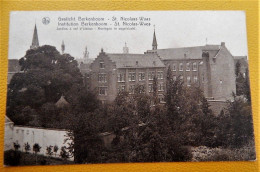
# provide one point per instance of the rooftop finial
(102, 50)
(206, 41)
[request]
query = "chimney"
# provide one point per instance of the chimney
(222, 44)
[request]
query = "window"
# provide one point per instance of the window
(160, 87)
(142, 89)
(120, 77)
(173, 67)
(195, 79)
(174, 78)
(180, 67)
(194, 66)
(181, 77)
(27, 132)
(141, 76)
(150, 75)
(121, 88)
(17, 131)
(132, 89)
(160, 75)
(131, 76)
(150, 88)
(102, 90)
(188, 81)
(101, 65)
(161, 98)
(187, 66)
(102, 77)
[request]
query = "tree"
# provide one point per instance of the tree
(46, 76)
(36, 149)
(237, 68)
(16, 146)
(55, 150)
(27, 147)
(49, 151)
(63, 153)
(247, 87)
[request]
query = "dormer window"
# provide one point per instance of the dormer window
(154, 63)
(136, 63)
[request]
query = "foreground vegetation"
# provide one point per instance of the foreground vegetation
(145, 130)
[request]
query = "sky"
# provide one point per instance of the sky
(173, 29)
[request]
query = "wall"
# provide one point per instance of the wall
(111, 77)
(44, 137)
(223, 75)
(8, 136)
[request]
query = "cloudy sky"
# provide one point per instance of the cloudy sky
(173, 29)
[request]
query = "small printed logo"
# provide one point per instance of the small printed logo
(45, 20)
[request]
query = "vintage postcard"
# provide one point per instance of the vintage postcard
(90, 87)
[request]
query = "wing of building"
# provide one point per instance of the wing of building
(112, 73)
(210, 67)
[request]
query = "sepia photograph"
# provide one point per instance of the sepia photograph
(91, 87)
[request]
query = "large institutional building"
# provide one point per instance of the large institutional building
(210, 67)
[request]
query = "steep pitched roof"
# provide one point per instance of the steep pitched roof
(35, 40)
(136, 60)
(154, 40)
(185, 52)
(8, 120)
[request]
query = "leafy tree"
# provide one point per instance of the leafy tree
(36, 149)
(237, 68)
(247, 87)
(46, 76)
(27, 147)
(55, 150)
(16, 146)
(49, 151)
(63, 153)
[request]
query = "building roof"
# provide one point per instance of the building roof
(136, 60)
(61, 102)
(154, 39)
(35, 40)
(13, 65)
(184, 52)
(8, 120)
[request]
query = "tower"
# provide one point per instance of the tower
(35, 41)
(85, 55)
(62, 47)
(125, 49)
(154, 45)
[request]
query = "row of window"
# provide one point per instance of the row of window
(132, 88)
(195, 79)
(102, 77)
(27, 131)
(188, 66)
(141, 76)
